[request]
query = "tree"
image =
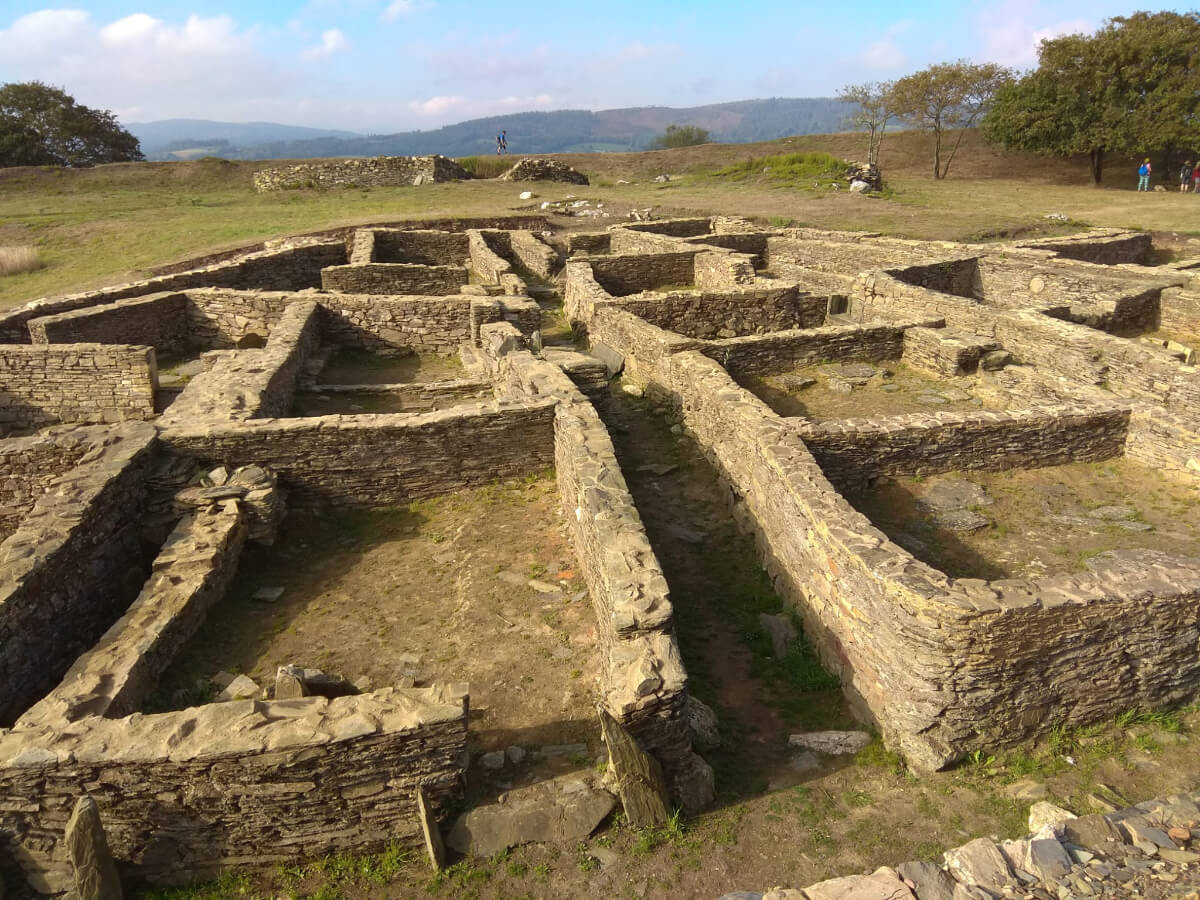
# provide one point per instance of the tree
(1132, 87)
(43, 125)
(680, 136)
(873, 102)
(944, 98)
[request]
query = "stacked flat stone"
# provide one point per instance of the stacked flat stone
(542, 169)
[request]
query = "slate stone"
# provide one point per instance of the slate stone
(558, 811)
(780, 630)
(87, 850)
(1092, 832)
(928, 880)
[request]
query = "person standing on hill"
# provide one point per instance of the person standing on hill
(503, 141)
(500, 143)
(1144, 175)
(1185, 177)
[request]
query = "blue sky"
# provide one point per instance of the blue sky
(391, 65)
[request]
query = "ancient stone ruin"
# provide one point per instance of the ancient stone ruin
(166, 440)
(379, 171)
(542, 169)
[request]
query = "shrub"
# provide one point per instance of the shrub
(15, 260)
(486, 166)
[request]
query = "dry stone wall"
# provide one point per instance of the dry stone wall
(725, 314)
(159, 321)
(644, 682)
(395, 278)
(1179, 310)
(1111, 248)
(73, 564)
(248, 783)
(29, 467)
(422, 246)
(189, 575)
(854, 452)
(373, 460)
(47, 383)
(534, 254)
(623, 275)
(380, 171)
(250, 384)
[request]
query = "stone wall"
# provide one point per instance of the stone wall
(946, 351)
(379, 171)
(844, 257)
(784, 351)
(644, 682)
(243, 784)
(1179, 310)
(290, 268)
(730, 313)
(723, 269)
(490, 255)
(854, 452)
(1165, 439)
(589, 243)
(190, 574)
(46, 383)
(395, 278)
(679, 228)
(248, 384)
(422, 246)
(158, 320)
(622, 275)
(418, 396)
(534, 254)
(377, 460)
(73, 565)
(29, 467)
(1106, 248)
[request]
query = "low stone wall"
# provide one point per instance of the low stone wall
(1179, 310)
(47, 383)
(378, 460)
(752, 243)
(730, 313)
(525, 315)
(958, 276)
(1132, 302)
(1106, 248)
(422, 246)
(159, 321)
(395, 278)
(490, 253)
(945, 350)
(622, 275)
(854, 452)
(535, 255)
(721, 269)
(245, 784)
(73, 565)
(784, 351)
(380, 171)
(589, 243)
(679, 228)
(540, 169)
(844, 257)
(249, 384)
(290, 268)
(420, 396)
(644, 682)
(1079, 354)
(190, 574)
(29, 467)
(1165, 440)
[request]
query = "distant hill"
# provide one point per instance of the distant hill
(169, 139)
(562, 131)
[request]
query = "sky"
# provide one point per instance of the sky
(396, 65)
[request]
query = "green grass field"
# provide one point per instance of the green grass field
(110, 224)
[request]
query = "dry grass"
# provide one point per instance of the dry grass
(18, 260)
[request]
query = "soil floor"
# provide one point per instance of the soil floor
(1036, 522)
(348, 366)
(479, 587)
(893, 388)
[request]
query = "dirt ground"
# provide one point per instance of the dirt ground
(349, 366)
(895, 389)
(479, 587)
(1041, 521)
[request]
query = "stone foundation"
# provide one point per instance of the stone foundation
(381, 171)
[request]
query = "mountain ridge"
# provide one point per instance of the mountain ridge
(557, 131)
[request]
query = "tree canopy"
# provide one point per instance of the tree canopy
(680, 136)
(1132, 87)
(43, 125)
(945, 98)
(872, 109)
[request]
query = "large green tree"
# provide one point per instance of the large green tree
(43, 125)
(1132, 87)
(945, 99)
(680, 136)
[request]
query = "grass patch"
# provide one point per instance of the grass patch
(19, 260)
(789, 168)
(486, 166)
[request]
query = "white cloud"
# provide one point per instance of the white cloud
(332, 41)
(398, 9)
(885, 55)
(437, 106)
(43, 31)
(1011, 33)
